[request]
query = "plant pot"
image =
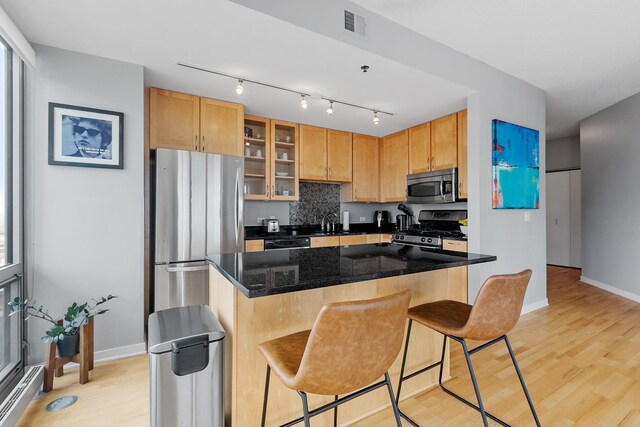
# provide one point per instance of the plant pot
(69, 346)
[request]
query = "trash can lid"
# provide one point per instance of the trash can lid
(166, 326)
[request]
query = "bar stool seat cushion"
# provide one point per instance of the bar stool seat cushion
(445, 316)
(284, 355)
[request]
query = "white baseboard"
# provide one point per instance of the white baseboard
(534, 306)
(613, 290)
(120, 352)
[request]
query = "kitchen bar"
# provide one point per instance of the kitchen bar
(265, 295)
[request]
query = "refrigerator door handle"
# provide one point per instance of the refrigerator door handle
(186, 269)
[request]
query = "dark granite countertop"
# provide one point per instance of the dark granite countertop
(258, 274)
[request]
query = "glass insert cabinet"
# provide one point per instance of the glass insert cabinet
(271, 159)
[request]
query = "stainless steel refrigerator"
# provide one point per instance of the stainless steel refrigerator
(198, 211)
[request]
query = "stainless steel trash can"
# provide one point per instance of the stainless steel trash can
(186, 367)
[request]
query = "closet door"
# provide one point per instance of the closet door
(576, 218)
(559, 218)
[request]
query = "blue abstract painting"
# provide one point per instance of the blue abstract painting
(516, 166)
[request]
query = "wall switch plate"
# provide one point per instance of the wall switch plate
(260, 221)
(363, 219)
(527, 216)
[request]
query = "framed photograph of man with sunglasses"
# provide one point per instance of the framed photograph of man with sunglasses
(80, 136)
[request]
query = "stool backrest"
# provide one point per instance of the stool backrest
(352, 344)
(497, 306)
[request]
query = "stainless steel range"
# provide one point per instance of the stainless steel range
(432, 228)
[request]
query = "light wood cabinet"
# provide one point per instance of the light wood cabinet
(174, 120)
(339, 155)
(463, 183)
(364, 186)
(313, 153)
(373, 238)
(420, 148)
(360, 239)
(254, 246)
(454, 245)
(444, 142)
(187, 122)
(284, 172)
(394, 160)
(385, 238)
(324, 242)
(257, 158)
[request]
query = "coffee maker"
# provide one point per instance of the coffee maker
(381, 219)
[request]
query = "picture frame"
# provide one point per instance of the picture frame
(85, 137)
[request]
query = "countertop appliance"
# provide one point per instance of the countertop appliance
(439, 186)
(273, 225)
(291, 243)
(198, 211)
(434, 226)
(381, 218)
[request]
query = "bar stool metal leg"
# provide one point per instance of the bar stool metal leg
(475, 383)
(524, 387)
(335, 413)
(266, 397)
(305, 408)
(394, 405)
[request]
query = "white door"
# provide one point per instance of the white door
(559, 218)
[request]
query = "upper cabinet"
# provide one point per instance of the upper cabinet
(257, 158)
(325, 155)
(221, 126)
(394, 161)
(174, 120)
(187, 122)
(462, 155)
(420, 148)
(339, 155)
(313, 153)
(285, 159)
(444, 142)
(364, 186)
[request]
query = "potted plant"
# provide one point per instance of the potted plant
(66, 336)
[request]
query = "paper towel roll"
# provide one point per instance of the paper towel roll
(345, 220)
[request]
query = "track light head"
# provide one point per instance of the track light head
(240, 88)
(303, 102)
(330, 109)
(376, 119)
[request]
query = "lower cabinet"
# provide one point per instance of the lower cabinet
(454, 245)
(359, 239)
(254, 246)
(324, 242)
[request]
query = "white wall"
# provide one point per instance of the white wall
(503, 233)
(563, 153)
(85, 225)
(610, 154)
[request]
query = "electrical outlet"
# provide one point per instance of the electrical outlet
(527, 216)
(260, 221)
(363, 219)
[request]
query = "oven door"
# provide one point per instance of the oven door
(432, 187)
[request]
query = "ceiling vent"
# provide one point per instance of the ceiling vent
(355, 24)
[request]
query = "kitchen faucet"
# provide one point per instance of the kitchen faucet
(325, 225)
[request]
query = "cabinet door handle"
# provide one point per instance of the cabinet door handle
(195, 143)
(267, 191)
(202, 146)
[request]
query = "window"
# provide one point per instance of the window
(12, 70)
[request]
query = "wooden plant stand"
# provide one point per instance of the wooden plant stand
(55, 365)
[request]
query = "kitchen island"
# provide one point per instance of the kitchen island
(260, 296)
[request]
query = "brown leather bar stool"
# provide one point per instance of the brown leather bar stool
(352, 344)
(495, 312)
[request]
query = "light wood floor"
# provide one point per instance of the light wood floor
(580, 358)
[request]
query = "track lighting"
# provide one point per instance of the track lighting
(303, 95)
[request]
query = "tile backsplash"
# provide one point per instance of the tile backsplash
(316, 200)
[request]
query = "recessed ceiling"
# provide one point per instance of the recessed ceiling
(584, 53)
(223, 36)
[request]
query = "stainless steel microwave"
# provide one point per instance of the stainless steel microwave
(433, 187)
